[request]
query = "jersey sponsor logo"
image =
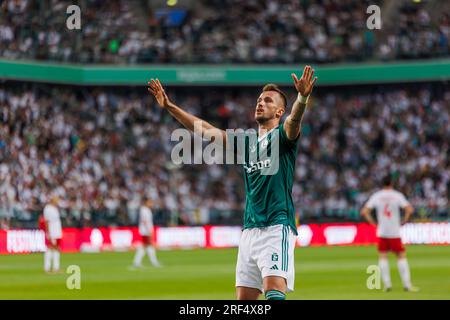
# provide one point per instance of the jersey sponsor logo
(258, 165)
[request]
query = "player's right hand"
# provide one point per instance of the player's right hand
(156, 89)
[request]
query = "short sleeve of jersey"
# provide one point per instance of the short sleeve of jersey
(47, 213)
(371, 202)
(284, 140)
(402, 201)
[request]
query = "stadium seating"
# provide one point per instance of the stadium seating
(126, 32)
(103, 148)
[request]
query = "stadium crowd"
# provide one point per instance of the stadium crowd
(101, 149)
(252, 31)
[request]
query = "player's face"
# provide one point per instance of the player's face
(54, 200)
(268, 106)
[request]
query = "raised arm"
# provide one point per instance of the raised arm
(304, 86)
(188, 120)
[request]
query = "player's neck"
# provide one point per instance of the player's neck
(265, 127)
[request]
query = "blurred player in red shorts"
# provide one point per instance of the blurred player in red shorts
(387, 203)
(50, 222)
(146, 232)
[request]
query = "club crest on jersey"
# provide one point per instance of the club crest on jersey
(264, 143)
(253, 148)
(274, 257)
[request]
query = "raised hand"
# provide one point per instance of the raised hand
(305, 84)
(157, 90)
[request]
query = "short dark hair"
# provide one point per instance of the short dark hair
(387, 180)
(274, 87)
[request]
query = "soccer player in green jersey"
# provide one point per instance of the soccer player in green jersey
(265, 261)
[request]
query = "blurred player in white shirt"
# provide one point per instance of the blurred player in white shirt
(387, 203)
(53, 235)
(146, 232)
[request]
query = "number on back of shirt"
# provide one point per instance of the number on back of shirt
(386, 211)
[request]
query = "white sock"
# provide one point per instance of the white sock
(403, 269)
(47, 260)
(56, 260)
(138, 256)
(385, 273)
(152, 255)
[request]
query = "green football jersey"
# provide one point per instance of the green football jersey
(269, 170)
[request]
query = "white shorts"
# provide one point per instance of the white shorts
(266, 252)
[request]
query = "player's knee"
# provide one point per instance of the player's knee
(275, 283)
(383, 255)
(243, 293)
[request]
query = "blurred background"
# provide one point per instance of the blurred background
(76, 117)
(76, 120)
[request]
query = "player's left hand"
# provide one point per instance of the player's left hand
(305, 84)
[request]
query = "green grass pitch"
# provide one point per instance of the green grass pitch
(321, 273)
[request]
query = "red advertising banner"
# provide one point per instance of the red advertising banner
(336, 234)
(125, 238)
